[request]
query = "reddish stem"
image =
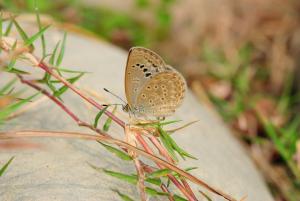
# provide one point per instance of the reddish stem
(171, 177)
(77, 91)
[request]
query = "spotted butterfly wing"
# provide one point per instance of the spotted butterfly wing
(151, 86)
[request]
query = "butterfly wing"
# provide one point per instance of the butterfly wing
(161, 95)
(142, 65)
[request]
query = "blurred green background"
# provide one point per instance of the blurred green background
(243, 55)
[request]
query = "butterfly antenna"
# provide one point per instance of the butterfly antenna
(118, 97)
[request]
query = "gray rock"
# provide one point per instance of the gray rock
(59, 170)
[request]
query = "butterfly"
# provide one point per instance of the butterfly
(152, 88)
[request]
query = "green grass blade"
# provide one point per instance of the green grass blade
(5, 166)
(30, 40)
(132, 179)
(154, 192)
(107, 123)
(100, 113)
(164, 138)
(205, 196)
(120, 154)
(16, 71)
(174, 145)
(7, 86)
(1, 26)
(62, 51)
(64, 88)
(69, 71)
(13, 61)
(179, 198)
(52, 58)
(5, 112)
(8, 29)
(160, 173)
(21, 31)
(123, 196)
(43, 41)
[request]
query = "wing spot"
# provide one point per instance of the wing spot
(147, 74)
(145, 69)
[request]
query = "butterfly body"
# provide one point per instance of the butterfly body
(153, 88)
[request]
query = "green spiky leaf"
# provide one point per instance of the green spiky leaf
(5, 112)
(100, 113)
(107, 123)
(64, 88)
(43, 41)
(62, 51)
(21, 31)
(8, 86)
(120, 154)
(33, 38)
(8, 29)
(5, 166)
(123, 196)
(160, 173)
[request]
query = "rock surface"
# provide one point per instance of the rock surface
(59, 170)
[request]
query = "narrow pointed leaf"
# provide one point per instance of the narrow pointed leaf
(1, 26)
(153, 192)
(5, 166)
(163, 136)
(100, 113)
(108, 121)
(62, 50)
(179, 198)
(16, 71)
(122, 155)
(53, 55)
(13, 61)
(205, 196)
(123, 196)
(5, 112)
(8, 29)
(43, 41)
(21, 31)
(36, 36)
(64, 88)
(160, 173)
(7, 86)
